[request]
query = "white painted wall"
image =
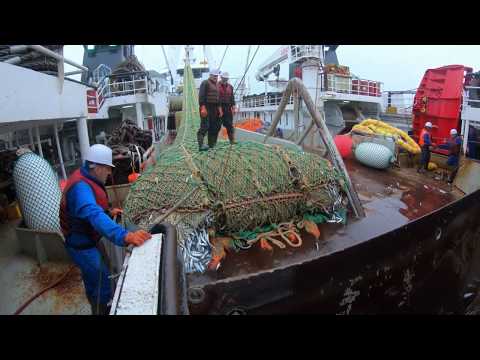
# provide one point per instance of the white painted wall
(159, 101)
(120, 101)
(30, 95)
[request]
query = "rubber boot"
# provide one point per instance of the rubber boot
(231, 137)
(201, 145)
(212, 141)
(103, 309)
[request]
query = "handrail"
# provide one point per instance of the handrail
(467, 99)
(59, 57)
(373, 90)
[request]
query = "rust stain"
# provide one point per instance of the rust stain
(69, 293)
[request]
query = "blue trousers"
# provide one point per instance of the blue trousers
(94, 274)
(425, 157)
(472, 150)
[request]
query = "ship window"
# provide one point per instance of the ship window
(91, 50)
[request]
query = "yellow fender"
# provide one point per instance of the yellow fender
(372, 126)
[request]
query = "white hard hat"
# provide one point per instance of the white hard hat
(100, 154)
(214, 72)
(225, 75)
(428, 124)
(453, 132)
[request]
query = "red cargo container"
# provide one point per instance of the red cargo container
(365, 87)
(354, 86)
(438, 100)
(372, 89)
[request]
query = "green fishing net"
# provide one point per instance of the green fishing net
(240, 187)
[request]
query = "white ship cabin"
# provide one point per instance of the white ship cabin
(42, 108)
(470, 116)
(141, 96)
(343, 97)
(124, 90)
(200, 73)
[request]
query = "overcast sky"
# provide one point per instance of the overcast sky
(399, 67)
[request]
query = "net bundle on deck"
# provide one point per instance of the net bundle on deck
(240, 186)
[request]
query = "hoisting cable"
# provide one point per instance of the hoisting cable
(246, 70)
(223, 57)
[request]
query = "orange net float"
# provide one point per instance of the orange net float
(250, 124)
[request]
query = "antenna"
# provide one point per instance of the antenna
(188, 51)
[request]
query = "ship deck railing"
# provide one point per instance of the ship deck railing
(469, 99)
(299, 52)
(347, 84)
(470, 113)
(262, 100)
(338, 85)
(112, 87)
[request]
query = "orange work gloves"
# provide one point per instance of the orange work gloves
(203, 111)
(115, 212)
(137, 238)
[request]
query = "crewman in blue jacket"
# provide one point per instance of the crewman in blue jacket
(85, 217)
(454, 146)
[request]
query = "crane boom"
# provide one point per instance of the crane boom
(172, 60)
(268, 66)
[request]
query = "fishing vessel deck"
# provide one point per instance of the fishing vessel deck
(392, 199)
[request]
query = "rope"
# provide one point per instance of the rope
(283, 230)
(221, 61)
(246, 70)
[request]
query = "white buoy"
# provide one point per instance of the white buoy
(38, 191)
(374, 155)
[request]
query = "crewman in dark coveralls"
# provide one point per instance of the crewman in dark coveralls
(210, 111)
(227, 102)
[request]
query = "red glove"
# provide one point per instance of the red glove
(137, 238)
(203, 111)
(220, 112)
(133, 177)
(115, 212)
